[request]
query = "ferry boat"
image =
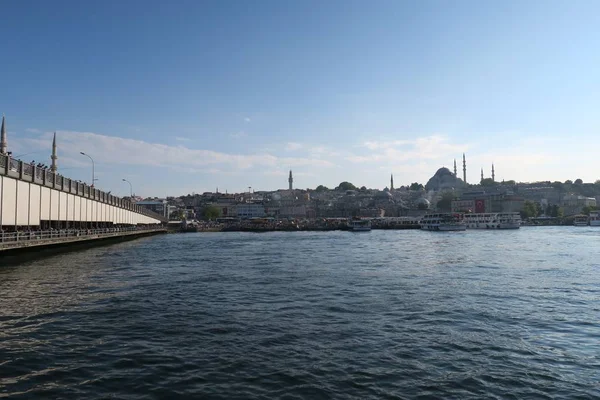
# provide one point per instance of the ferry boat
(443, 222)
(360, 225)
(580, 220)
(506, 220)
(594, 218)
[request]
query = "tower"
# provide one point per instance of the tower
(493, 174)
(291, 181)
(481, 174)
(392, 182)
(455, 167)
(54, 157)
(464, 168)
(3, 144)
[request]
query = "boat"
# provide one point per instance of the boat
(360, 225)
(503, 220)
(443, 222)
(594, 218)
(580, 220)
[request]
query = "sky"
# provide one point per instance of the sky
(189, 96)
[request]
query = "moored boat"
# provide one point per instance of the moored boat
(504, 220)
(594, 218)
(580, 220)
(360, 225)
(443, 222)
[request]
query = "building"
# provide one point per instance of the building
(227, 209)
(573, 204)
(484, 202)
(158, 206)
(250, 210)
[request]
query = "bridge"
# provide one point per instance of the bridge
(35, 199)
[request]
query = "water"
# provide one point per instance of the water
(382, 314)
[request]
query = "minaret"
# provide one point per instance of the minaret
(455, 167)
(53, 168)
(464, 168)
(481, 174)
(3, 144)
(392, 182)
(291, 180)
(493, 174)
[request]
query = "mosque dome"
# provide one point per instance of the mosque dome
(443, 171)
(443, 179)
(423, 203)
(383, 195)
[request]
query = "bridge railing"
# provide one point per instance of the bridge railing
(11, 239)
(31, 173)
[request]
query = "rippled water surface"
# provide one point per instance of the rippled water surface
(381, 314)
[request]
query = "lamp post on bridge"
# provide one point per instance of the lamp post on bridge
(93, 173)
(130, 188)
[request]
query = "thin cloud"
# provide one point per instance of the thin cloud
(247, 119)
(238, 135)
(428, 147)
(182, 139)
(117, 150)
(293, 146)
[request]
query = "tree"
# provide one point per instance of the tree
(578, 182)
(321, 188)
(363, 188)
(568, 182)
(557, 185)
(416, 186)
(445, 203)
(211, 212)
(559, 212)
(177, 215)
(529, 210)
(586, 210)
(346, 186)
(538, 209)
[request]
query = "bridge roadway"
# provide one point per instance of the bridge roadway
(36, 239)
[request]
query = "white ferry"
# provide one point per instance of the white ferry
(507, 220)
(594, 218)
(442, 222)
(580, 220)
(360, 225)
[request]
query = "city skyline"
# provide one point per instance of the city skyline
(187, 97)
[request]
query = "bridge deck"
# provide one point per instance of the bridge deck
(25, 239)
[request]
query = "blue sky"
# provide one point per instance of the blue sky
(185, 96)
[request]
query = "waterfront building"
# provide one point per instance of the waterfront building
(250, 210)
(159, 206)
(573, 204)
(488, 202)
(227, 209)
